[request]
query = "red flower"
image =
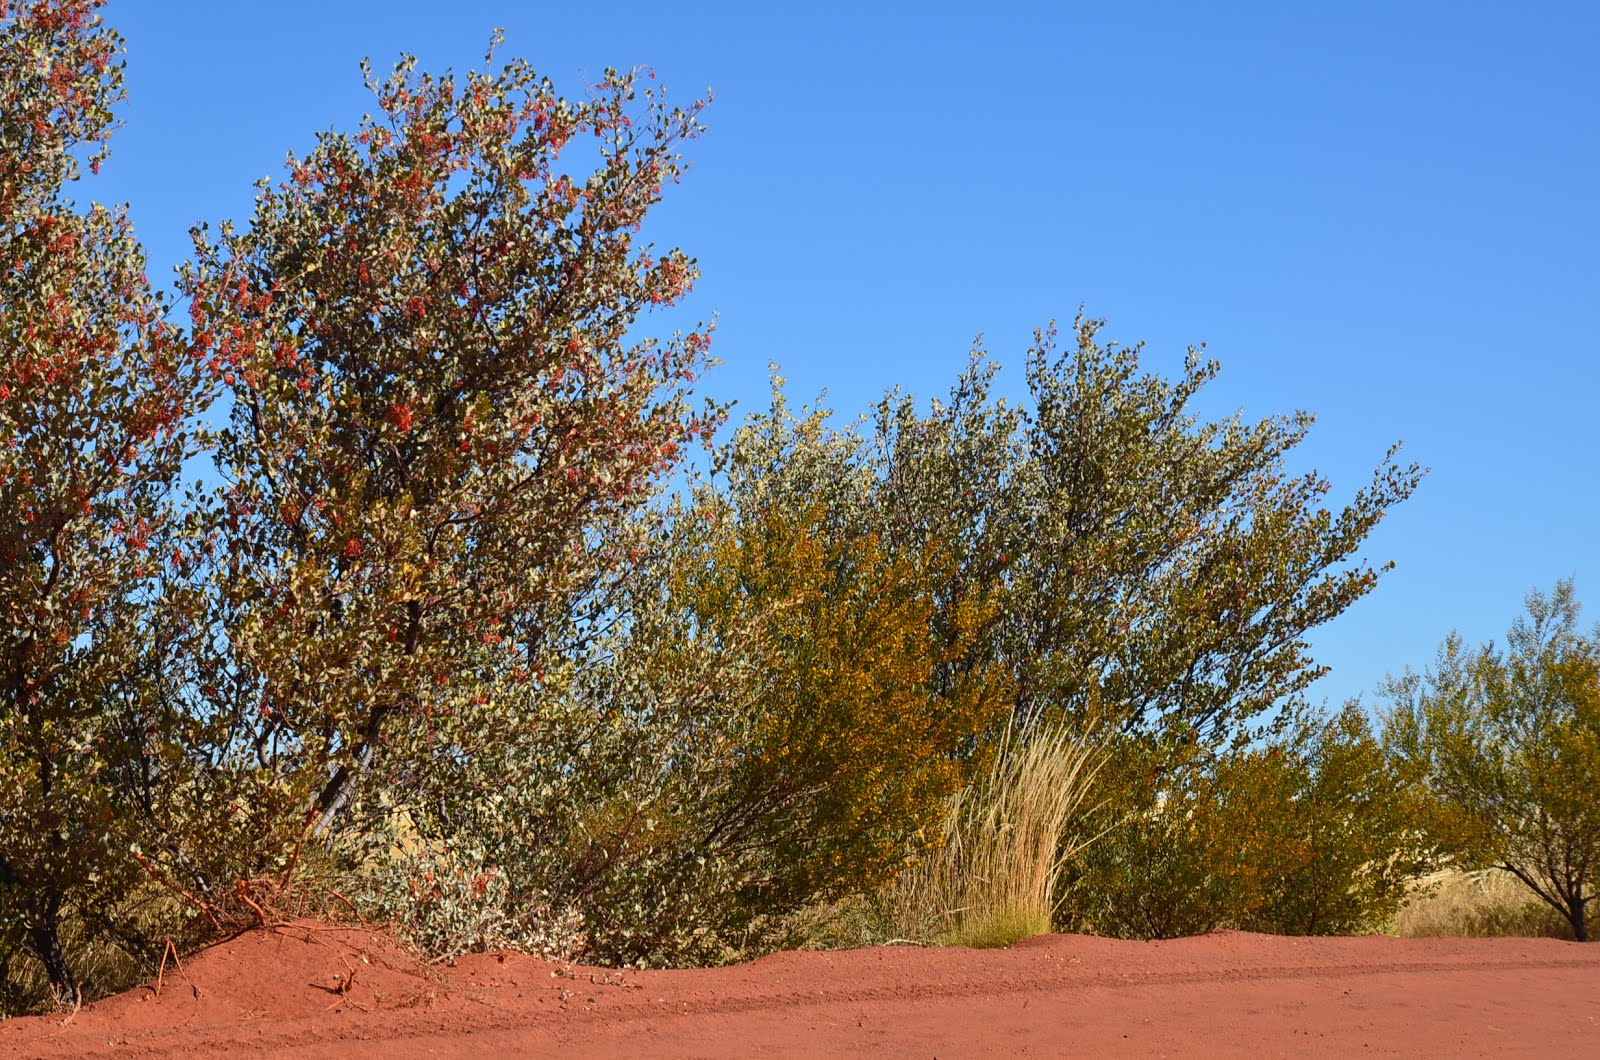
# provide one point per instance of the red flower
(401, 416)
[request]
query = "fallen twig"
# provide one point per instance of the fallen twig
(161, 972)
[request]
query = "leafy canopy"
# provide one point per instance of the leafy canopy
(442, 414)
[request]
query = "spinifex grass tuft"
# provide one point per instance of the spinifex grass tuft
(1007, 835)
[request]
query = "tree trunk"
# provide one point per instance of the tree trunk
(341, 787)
(44, 940)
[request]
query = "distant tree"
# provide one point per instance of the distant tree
(1508, 741)
(97, 399)
(442, 410)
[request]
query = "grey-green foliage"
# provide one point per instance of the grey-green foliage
(596, 793)
(1508, 740)
(1158, 570)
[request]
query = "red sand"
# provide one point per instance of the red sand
(276, 993)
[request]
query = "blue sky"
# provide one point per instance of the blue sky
(1384, 213)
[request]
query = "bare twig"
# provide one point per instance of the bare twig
(205, 907)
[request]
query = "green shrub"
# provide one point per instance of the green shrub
(1313, 832)
(1178, 855)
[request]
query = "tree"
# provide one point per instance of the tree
(97, 399)
(1152, 569)
(1508, 743)
(1175, 565)
(443, 415)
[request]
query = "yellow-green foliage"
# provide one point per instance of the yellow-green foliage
(1348, 837)
(1508, 743)
(851, 751)
(1312, 832)
(1180, 855)
(765, 733)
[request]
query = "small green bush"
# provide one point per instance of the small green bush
(1312, 832)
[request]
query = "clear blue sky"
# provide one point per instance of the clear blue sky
(1382, 212)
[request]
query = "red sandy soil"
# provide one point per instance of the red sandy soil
(277, 993)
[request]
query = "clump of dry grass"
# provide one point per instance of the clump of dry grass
(993, 881)
(1486, 903)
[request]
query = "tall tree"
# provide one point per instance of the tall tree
(1152, 569)
(97, 396)
(443, 412)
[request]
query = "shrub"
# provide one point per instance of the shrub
(755, 731)
(447, 902)
(1353, 826)
(1312, 832)
(850, 750)
(1181, 853)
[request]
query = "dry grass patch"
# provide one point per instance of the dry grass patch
(1482, 904)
